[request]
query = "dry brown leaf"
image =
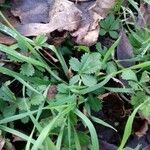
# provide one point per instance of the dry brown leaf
(145, 19)
(52, 91)
(2, 1)
(63, 16)
(124, 51)
(2, 143)
(142, 131)
(79, 17)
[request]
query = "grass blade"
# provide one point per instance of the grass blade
(94, 138)
(128, 127)
(99, 121)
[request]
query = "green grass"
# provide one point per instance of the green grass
(54, 121)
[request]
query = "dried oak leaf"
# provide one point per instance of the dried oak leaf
(79, 17)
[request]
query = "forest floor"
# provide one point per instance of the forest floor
(74, 75)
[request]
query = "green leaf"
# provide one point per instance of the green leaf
(37, 99)
(129, 75)
(83, 48)
(27, 69)
(6, 94)
(45, 131)
(90, 63)
(115, 25)
(110, 51)
(63, 88)
(88, 123)
(111, 67)
(88, 80)
(9, 111)
(83, 138)
(74, 79)
(95, 104)
(74, 64)
(101, 122)
(21, 103)
(40, 40)
(145, 77)
(113, 34)
(102, 32)
(128, 127)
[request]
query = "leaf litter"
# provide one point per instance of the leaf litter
(80, 18)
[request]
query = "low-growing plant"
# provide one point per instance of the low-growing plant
(110, 25)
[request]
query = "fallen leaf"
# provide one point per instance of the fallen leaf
(142, 131)
(63, 16)
(145, 18)
(52, 91)
(107, 146)
(79, 17)
(2, 143)
(124, 51)
(2, 1)
(35, 11)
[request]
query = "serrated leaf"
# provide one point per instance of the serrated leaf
(102, 32)
(9, 111)
(95, 104)
(37, 99)
(111, 67)
(113, 34)
(6, 94)
(88, 80)
(138, 99)
(14, 59)
(27, 69)
(90, 63)
(145, 77)
(63, 88)
(74, 64)
(83, 138)
(74, 79)
(129, 75)
(21, 103)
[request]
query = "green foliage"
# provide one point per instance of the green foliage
(89, 64)
(138, 99)
(94, 103)
(110, 25)
(56, 120)
(27, 69)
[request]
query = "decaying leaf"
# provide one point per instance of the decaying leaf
(142, 131)
(79, 17)
(2, 1)
(124, 51)
(145, 18)
(63, 16)
(2, 143)
(52, 91)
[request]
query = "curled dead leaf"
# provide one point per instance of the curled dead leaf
(79, 17)
(142, 131)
